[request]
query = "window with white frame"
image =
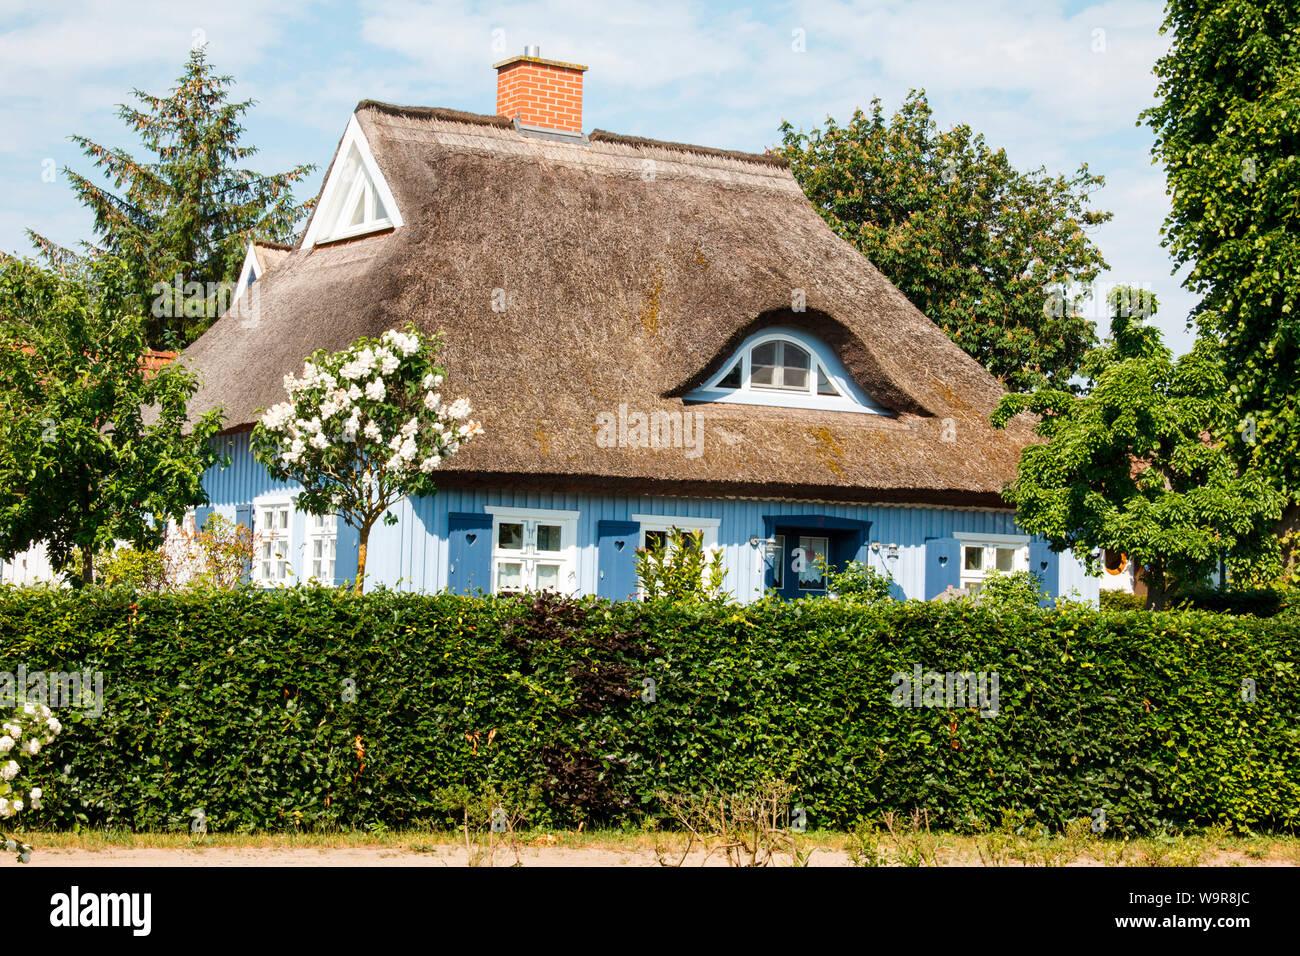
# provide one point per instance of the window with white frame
(273, 521)
(322, 538)
(789, 368)
(356, 199)
(534, 550)
(982, 555)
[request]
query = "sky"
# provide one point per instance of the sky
(1055, 83)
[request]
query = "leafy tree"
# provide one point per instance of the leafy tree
(1132, 466)
(186, 216)
(364, 428)
(1227, 133)
(994, 255)
(677, 568)
(94, 444)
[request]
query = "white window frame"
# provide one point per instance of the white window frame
(972, 580)
(851, 397)
(260, 538)
(528, 555)
(355, 173)
(325, 529)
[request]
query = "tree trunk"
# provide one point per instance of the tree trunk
(1288, 532)
(1157, 591)
(87, 566)
(361, 558)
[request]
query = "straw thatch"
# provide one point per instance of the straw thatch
(631, 268)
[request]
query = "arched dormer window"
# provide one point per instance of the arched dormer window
(787, 368)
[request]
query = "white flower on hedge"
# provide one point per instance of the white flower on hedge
(13, 730)
(9, 770)
(320, 441)
(432, 400)
(388, 362)
(277, 416)
(429, 464)
(29, 710)
(32, 746)
(411, 427)
(6, 808)
(406, 344)
(375, 390)
(54, 725)
(6, 744)
(372, 432)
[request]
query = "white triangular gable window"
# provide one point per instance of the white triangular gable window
(787, 368)
(356, 199)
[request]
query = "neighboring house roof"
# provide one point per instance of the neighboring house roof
(632, 269)
(153, 360)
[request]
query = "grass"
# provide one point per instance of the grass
(899, 845)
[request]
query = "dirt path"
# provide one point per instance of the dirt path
(447, 855)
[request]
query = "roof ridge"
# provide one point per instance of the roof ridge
(595, 136)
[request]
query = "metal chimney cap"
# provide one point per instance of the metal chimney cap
(532, 49)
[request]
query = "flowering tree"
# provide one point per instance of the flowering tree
(363, 428)
(20, 737)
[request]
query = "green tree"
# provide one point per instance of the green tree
(1227, 133)
(996, 256)
(186, 216)
(94, 444)
(364, 428)
(1133, 466)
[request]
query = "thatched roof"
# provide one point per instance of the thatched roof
(627, 282)
(271, 254)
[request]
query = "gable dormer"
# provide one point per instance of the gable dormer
(356, 200)
(788, 368)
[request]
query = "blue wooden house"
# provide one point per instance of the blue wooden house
(653, 335)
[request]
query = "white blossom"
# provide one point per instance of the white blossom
(6, 744)
(459, 409)
(320, 441)
(429, 464)
(9, 770)
(375, 390)
(432, 400)
(372, 432)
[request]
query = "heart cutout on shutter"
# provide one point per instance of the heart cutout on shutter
(619, 545)
(1042, 565)
(943, 559)
(470, 538)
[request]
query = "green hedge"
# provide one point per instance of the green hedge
(236, 703)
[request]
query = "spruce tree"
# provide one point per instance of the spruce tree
(183, 218)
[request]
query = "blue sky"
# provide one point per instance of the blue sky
(1056, 83)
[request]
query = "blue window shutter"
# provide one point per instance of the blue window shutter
(1045, 565)
(469, 552)
(347, 547)
(201, 515)
(244, 516)
(942, 566)
(618, 541)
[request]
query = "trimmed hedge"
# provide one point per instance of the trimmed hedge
(238, 703)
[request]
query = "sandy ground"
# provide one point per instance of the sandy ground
(453, 855)
(373, 856)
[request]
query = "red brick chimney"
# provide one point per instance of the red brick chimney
(545, 93)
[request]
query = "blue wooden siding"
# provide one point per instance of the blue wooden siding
(413, 553)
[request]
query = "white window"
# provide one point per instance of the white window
(534, 550)
(981, 555)
(816, 551)
(322, 536)
(788, 368)
(778, 562)
(356, 199)
(273, 524)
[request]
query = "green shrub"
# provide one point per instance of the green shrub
(1013, 591)
(1122, 601)
(1260, 602)
(312, 707)
(856, 580)
(676, 567)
